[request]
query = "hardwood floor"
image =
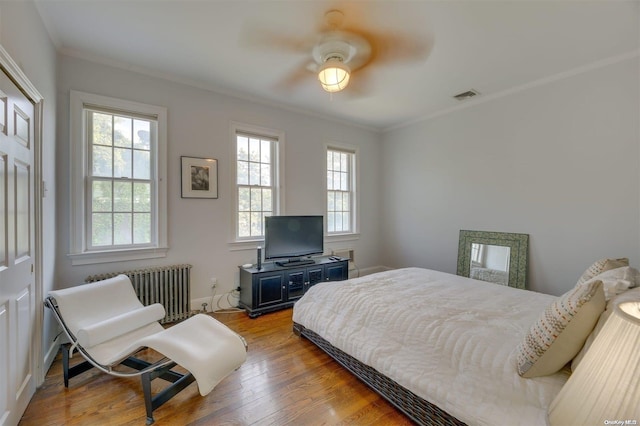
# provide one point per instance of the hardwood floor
(285, 380)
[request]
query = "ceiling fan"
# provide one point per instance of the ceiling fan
(339, 51)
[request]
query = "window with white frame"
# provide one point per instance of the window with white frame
(257, 177)
(118, 188)
(341, 185)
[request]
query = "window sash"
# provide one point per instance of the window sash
(114, 221)
(340, 191)
(256, 180)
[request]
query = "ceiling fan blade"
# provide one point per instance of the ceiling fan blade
(300, 74)
(263, 38)
(360, 84)
(394, 47)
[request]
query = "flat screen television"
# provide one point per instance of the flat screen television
(293, 237)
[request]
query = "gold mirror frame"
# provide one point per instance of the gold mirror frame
(518, 256)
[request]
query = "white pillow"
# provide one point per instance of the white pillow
(616, 281)
(94, 334)
(602, 265)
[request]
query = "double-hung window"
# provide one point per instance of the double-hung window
(118, 179)
(257, 176)
(341, 191)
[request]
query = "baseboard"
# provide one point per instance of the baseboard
(353, 273)
(51, 353)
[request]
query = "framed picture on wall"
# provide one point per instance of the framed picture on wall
(199, 177)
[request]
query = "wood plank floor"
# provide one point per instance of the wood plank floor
(286, 380)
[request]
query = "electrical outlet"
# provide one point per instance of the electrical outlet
(214, 282)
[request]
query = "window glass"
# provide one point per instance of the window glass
(254, 183)
(120, 196)
(340, 189)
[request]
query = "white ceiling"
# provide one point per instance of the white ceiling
(490, 46)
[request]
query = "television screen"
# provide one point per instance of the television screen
(293, 236)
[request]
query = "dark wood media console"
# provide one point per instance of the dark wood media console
(275, 287)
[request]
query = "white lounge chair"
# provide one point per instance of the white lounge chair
(107, 324)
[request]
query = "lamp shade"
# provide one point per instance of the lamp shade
(334, 75)
(605, 387)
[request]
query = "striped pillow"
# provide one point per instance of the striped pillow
(557, 336)
(602, 265)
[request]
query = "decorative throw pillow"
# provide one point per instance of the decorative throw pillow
(632, 295)
(557, 336)
(618, 280)
(602, 265)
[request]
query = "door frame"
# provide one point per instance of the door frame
(13, 71)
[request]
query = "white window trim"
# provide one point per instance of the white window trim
(234, 128)
(355, 179)
(79, 254)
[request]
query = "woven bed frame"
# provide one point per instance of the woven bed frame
(417, 409)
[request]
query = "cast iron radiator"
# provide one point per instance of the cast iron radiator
(167, 285)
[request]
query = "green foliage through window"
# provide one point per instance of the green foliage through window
(120, 181)
(255, 170)
(340, 169)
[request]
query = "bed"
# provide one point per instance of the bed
(442, 348)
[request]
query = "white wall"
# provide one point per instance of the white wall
(559, 162)
(23, 36)
(199, 125)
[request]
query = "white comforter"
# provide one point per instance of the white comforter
(451, 340)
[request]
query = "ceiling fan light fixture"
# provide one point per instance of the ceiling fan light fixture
(334, 75)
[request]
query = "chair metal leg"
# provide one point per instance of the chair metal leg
(65, 365)
(178, 382)
(73, 371)
(148, 401)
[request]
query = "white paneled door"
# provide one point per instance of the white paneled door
(17, 252)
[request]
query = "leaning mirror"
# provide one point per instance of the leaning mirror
(497, 257)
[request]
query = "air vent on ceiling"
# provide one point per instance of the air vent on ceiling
(466, 95)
